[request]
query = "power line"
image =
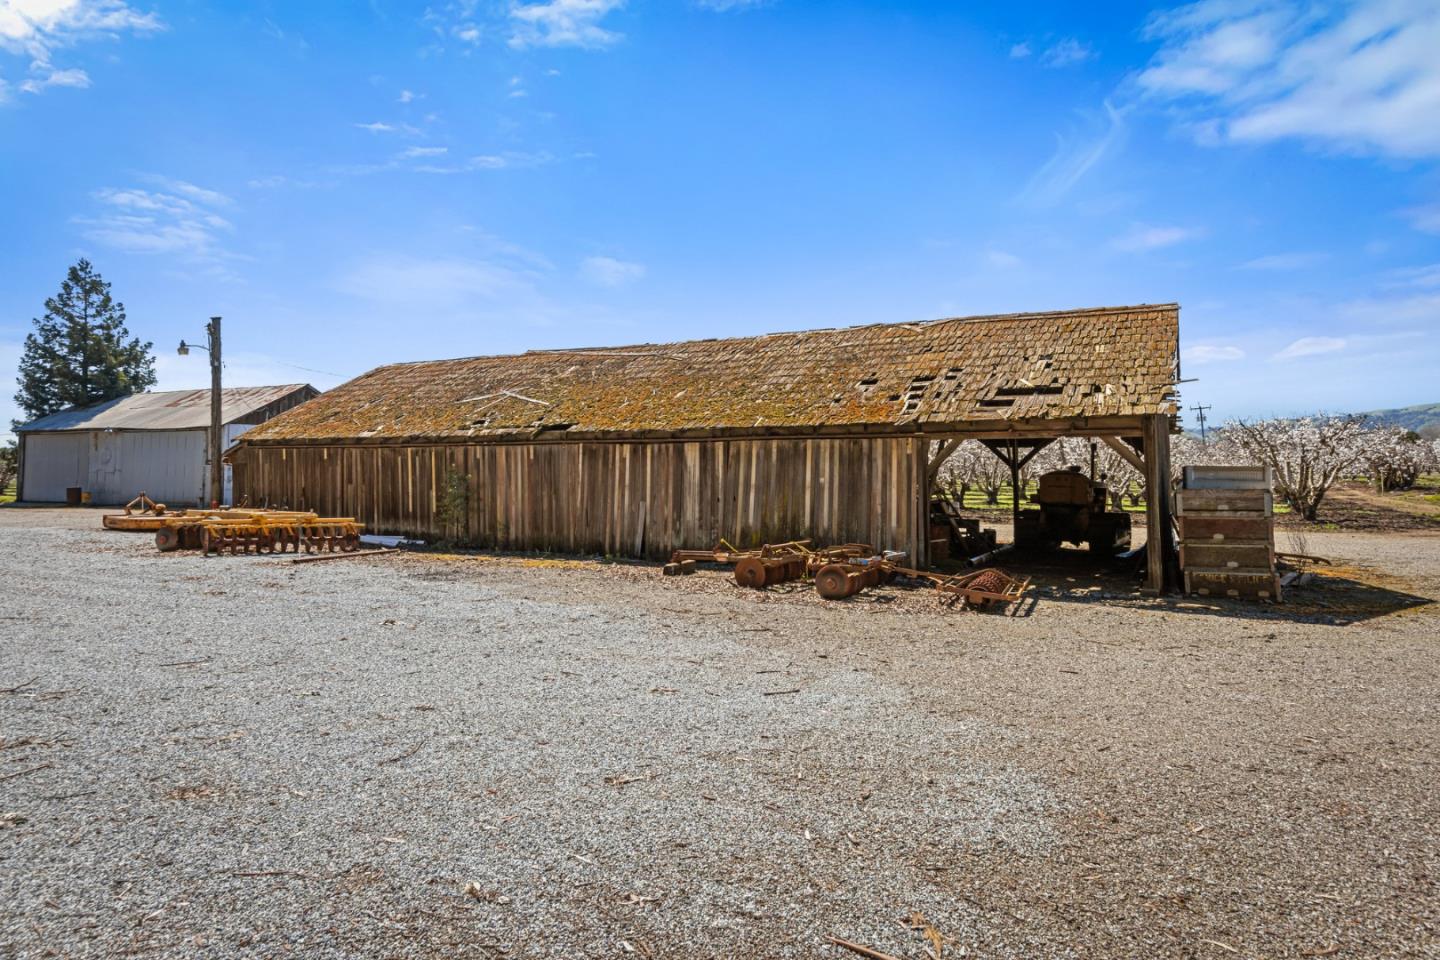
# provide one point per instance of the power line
(296, 366)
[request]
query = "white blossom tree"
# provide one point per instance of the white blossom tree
(1394, 457)
(1307, 454)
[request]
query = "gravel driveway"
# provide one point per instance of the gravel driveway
(466, 757)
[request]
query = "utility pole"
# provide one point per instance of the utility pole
(212, 347)
(1200, 415)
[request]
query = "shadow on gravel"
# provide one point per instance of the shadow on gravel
(1335, 596)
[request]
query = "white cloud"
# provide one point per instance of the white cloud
(377, 127)
(1361, 77)
(1422, 309)
(1020, 51)
(1424, 218)
(36, 29)
(1203, 353)
(213, 198)
(562, 23)
(1066, 53)
(1310, 347)
(412, 153)
(406, 96)
(1142, 237)
(1284, 261)
(182, 220)
(609, 272)
(442, 282)
(1002, 260)
(1425, 276)
(49, 77)
(1074, 157)
(487, 161)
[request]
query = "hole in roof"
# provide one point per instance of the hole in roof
(1031, 391)
(893, 397)
(869, 381)
(998, 402)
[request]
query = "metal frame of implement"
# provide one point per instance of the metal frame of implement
(238, 531)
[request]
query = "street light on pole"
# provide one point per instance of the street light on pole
(212, 336)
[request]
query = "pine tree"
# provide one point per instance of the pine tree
(80, 352)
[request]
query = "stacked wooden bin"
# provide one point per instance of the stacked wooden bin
(1227, 532)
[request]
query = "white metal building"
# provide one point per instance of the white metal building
(150, 442)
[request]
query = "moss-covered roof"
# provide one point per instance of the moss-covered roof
(1109, 361)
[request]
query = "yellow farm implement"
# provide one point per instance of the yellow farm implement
(238, 531)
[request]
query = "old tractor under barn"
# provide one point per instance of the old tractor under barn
(1072, 510)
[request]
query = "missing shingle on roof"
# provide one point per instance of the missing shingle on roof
(1030, 391)
(546, 427)
(998, 402)
(868, 381)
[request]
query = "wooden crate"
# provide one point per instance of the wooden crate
(1227, 555)
(1248, 585)
(1224, 528)
(1228, 478)
(1242, 503)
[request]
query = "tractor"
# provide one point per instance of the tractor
(1072, 510)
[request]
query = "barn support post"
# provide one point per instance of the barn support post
(923, 478)
(1159, 539)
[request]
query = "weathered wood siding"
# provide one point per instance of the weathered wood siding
(640, 499)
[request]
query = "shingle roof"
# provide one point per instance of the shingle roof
(165, 410)
(1110, 361)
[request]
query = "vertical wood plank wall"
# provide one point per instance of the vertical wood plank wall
(640, 499)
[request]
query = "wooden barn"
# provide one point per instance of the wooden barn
(830, 434)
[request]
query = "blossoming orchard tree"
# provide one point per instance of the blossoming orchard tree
(1307, 454)
(1394, 457)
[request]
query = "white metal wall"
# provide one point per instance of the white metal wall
(168, 465)
(54, 461)
(115, 466)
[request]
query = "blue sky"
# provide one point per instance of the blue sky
(352, 184)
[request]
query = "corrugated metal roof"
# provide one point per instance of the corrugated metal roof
(1109, 361)
(164, 410)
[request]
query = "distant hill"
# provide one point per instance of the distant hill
(1410, 418)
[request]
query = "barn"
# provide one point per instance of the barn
(151, 442)
(832, 434)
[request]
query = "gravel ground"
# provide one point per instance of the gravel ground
(473, 757)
